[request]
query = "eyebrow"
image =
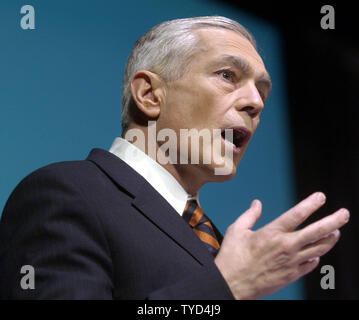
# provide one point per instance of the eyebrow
(243, 65)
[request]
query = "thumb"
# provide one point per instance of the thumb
(248, 219)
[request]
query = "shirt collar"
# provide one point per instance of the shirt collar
(157, 176)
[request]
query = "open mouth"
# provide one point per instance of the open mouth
(240, 136)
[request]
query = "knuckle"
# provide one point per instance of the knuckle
(285, 252)
(321, 229)
(308, 267)
(283, 258)
(322, 251)
(336, 235)
(273, 234)
(300, 214)
(287, 245)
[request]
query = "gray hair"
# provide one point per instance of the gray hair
(167, 50)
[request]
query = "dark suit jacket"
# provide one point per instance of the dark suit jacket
(96, 229)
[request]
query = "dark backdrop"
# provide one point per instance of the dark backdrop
(322, 71)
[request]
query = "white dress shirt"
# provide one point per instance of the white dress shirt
(157, 176)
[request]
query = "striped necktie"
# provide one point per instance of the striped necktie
(201, 225)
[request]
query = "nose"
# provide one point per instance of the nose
(250, 100)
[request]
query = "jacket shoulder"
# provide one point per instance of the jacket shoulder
(63, 169)
(71, 172)
(65, 175)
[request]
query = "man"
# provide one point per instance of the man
(126, 224)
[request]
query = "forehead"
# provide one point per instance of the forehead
(216, 42)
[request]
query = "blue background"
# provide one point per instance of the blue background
(60, 96)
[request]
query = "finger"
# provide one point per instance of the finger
(307, 266)
(248, 219)
(323, 227)
(318, 248)
(292, 218)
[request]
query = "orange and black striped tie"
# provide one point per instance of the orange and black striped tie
(201, 225)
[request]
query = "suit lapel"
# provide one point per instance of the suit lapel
(150, 203)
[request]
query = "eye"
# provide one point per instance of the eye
(227, 75)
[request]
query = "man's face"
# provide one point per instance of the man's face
(225, 88)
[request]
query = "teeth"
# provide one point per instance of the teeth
(236, 139)
(228, 139)
(231, 143)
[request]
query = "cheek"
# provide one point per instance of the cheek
(175, 111)
(195, 104)
(187, 107)
(255, 124)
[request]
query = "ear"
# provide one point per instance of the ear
(147, 91)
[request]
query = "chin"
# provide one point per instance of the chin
(227, 173)
(224, 169)
(224, 178)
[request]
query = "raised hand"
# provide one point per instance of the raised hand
(258, 263)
